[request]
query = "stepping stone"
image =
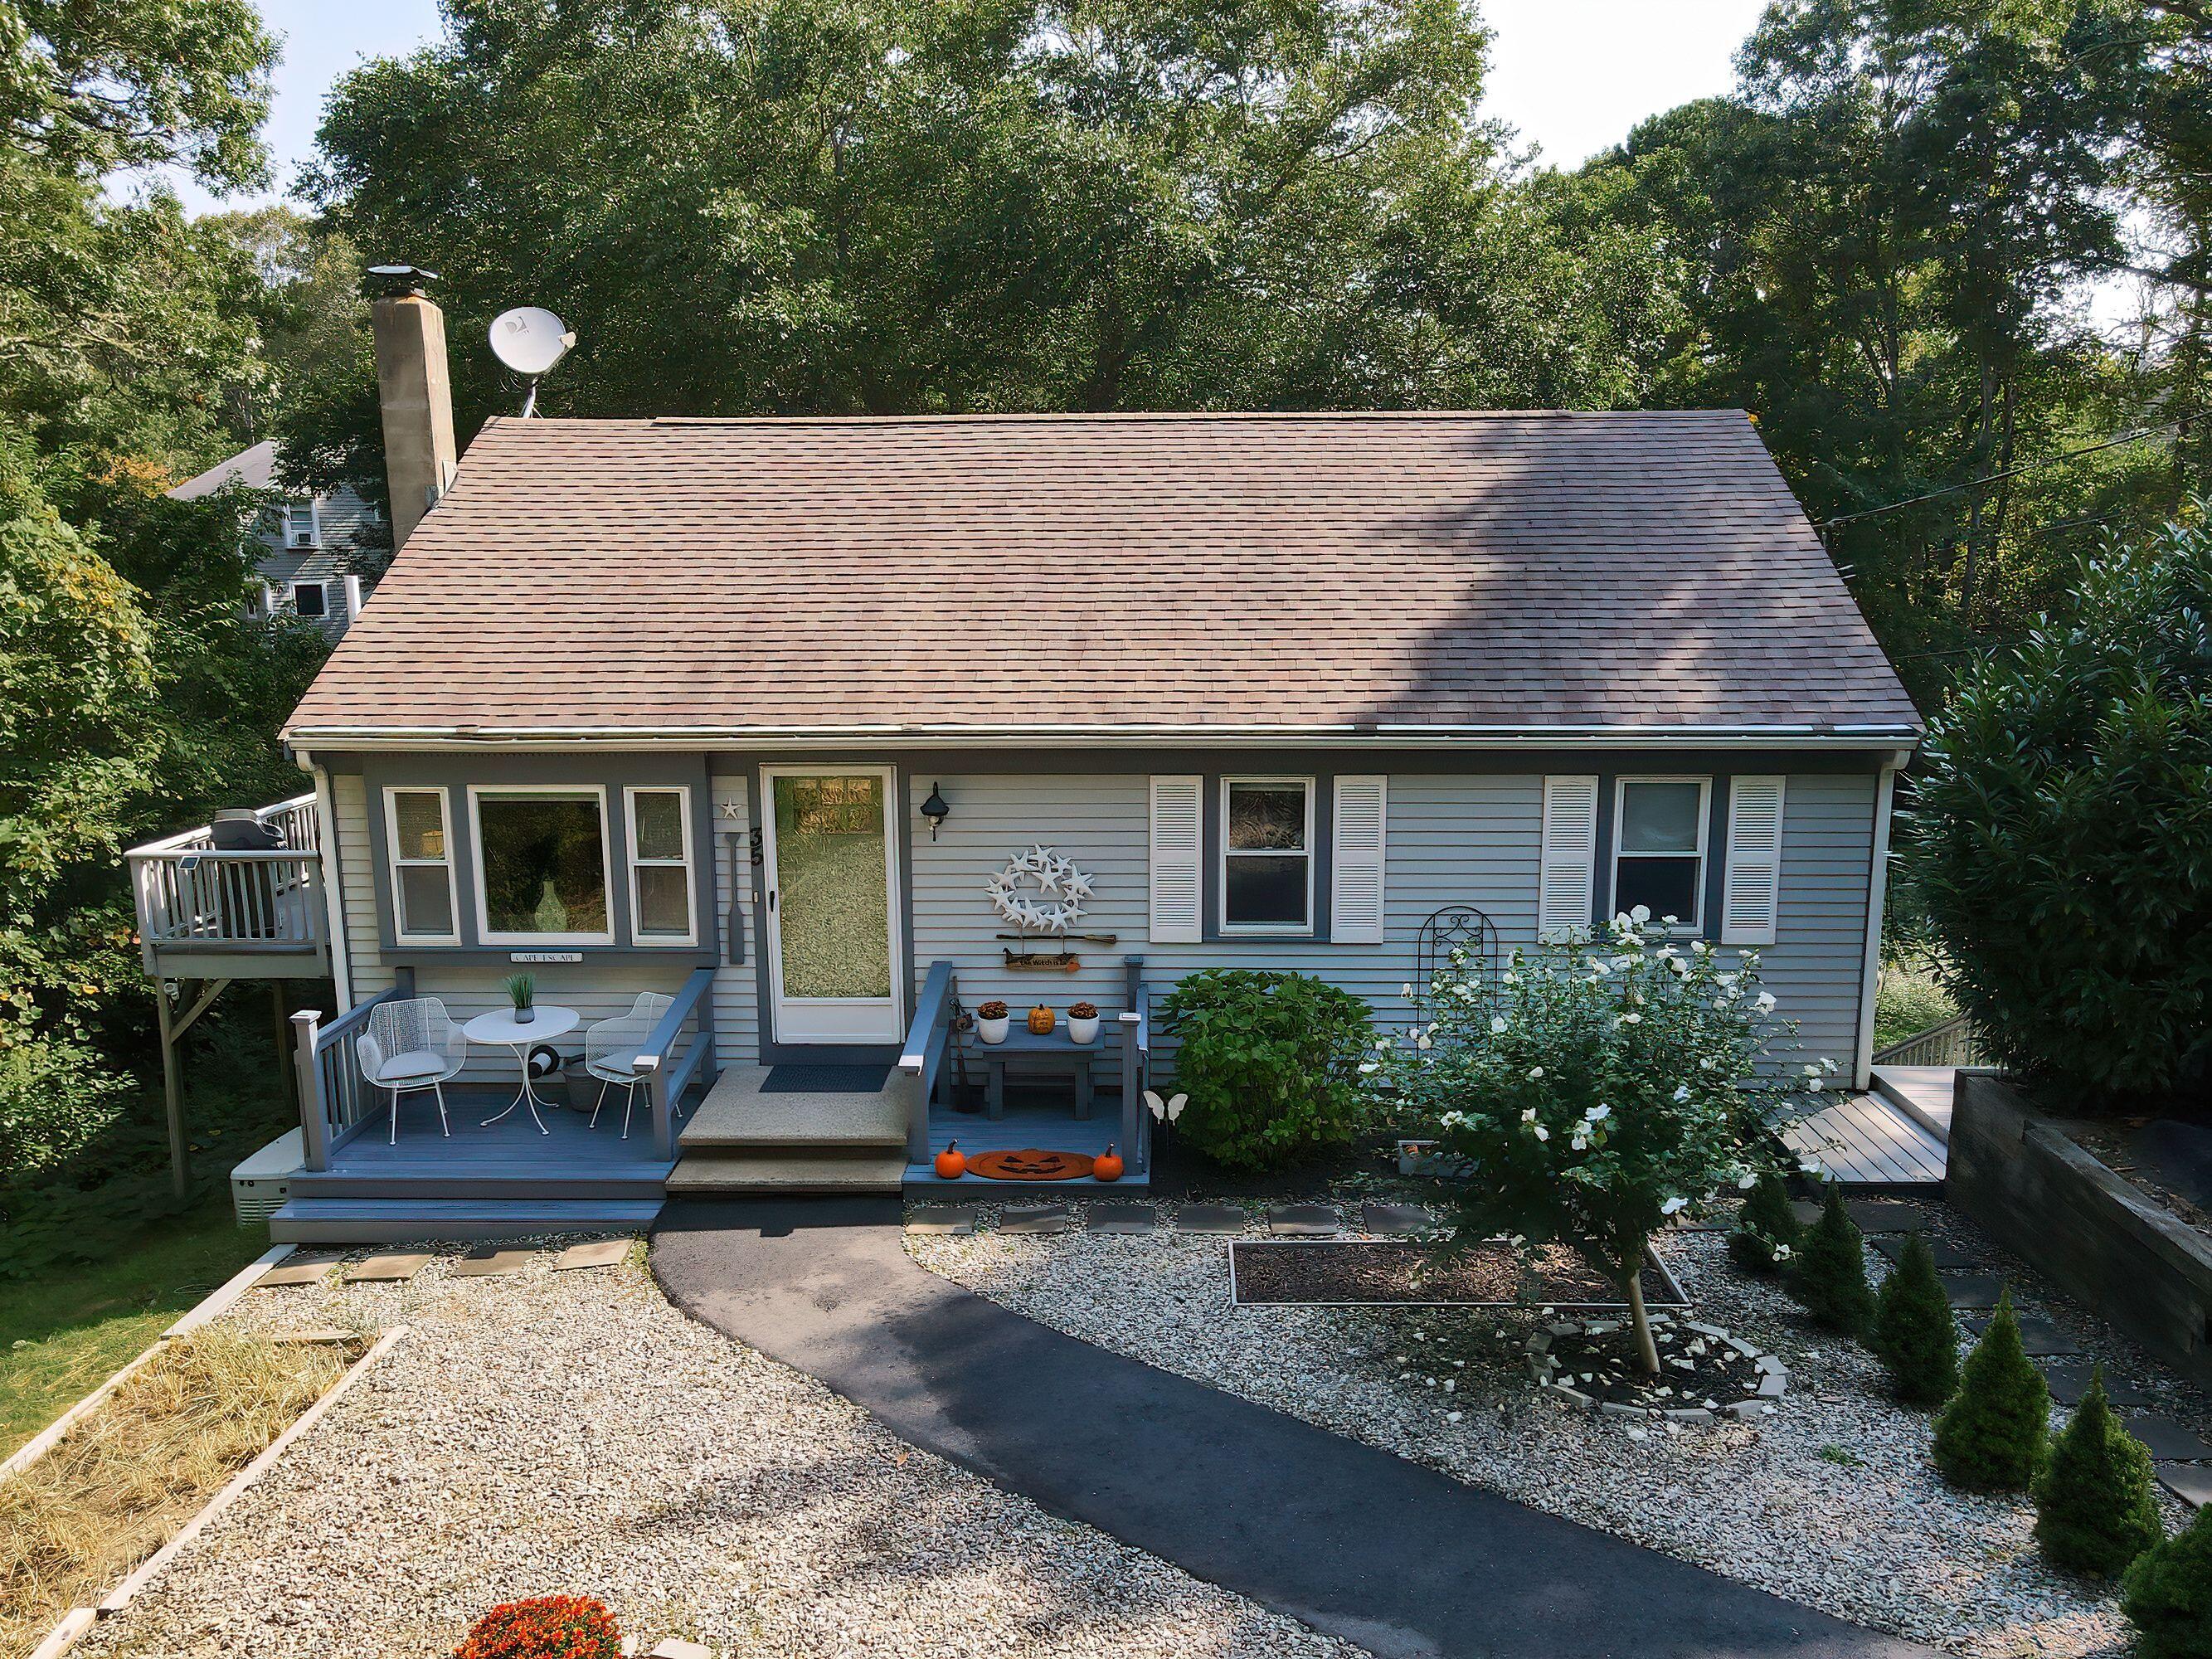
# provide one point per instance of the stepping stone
(2070, 1380)
(484, 1262)
(2169, 1441)
(1209, 1218)
(1303, 1221)
(605, 1253)
(1806, 1211)
(1124, 1219)
(1883, 1215)
(1947, 1255)
(1397, 1220)
(2189, 1482)
(1035, 1219)
(2038, 1335)
(942, 1218)
(394, 1269)
(1974, 1290)
(299, 1270)
(674, 1648)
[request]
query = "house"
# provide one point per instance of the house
(828, 730)
(314, 547)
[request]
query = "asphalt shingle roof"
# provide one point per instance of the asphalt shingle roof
(1307, 573)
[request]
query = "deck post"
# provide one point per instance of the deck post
(663, 1117)
(314, 1113)
(1131, 1103)
(172, 1103)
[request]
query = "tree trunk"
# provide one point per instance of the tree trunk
(1647, 1351)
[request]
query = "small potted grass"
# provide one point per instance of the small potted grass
(522, 991)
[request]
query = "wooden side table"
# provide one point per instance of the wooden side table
(1054, 1045)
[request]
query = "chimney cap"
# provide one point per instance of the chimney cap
(402, 279)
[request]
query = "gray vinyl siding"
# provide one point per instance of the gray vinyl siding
(737, 999)
(1815, 965)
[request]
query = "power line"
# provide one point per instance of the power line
(2114, 442)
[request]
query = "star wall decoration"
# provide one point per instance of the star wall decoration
(1051, 873)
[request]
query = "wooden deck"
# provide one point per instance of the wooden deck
(1923, 1093)
(1865, 1141)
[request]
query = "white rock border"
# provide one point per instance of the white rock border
(1773, 1381)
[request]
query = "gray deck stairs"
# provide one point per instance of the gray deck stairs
(1923, 1093)
(743, 1140)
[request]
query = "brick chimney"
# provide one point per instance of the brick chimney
(416, 394)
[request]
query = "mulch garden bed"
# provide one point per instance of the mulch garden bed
(1698, 1368)
(1332, 1273)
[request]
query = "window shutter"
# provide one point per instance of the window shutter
(1567, 877)
(1355, 901)
(1751, 888)
(1175, 857)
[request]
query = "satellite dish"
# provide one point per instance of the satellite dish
(530, 339)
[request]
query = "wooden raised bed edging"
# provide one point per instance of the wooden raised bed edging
(2089, 1231)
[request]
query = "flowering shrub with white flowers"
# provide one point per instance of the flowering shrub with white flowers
(1599, 1085)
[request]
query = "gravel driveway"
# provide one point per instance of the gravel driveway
(1830, 1501)
(573, 1433)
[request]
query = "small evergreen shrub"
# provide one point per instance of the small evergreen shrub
(544, 1627)
(1993, 1435)
(1915, 1335)
(1766, 1231)
(1831, 1277)
(2096, 1509)
(1270, 1063)
(2168, 1594)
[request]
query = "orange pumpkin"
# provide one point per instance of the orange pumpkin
(952, 1163)
(1108, 1167)
(1042, 1020)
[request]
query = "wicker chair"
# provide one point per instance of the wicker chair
(411, 1045)
(612, 1047)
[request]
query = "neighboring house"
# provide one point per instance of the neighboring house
(310, 566)
(659, 705)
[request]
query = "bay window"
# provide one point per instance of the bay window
(542, 865)
(660, 865)
(418, 840)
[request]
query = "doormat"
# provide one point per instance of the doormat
(1030, 1164)
(1342, 1273)
(824, 1079)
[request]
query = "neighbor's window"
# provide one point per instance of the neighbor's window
(422, 850)
(308, 599)
(1659, 848)
(302, 527)
(1267, 855)
(542, 864)
(660, 865)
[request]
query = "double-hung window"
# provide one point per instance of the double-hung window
(310, 599)
(418, 836)
(1267, 855)
(542, 864)
(1659, 848)
(660, 866)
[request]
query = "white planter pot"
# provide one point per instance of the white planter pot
(993, 1030)
(1082, 1030)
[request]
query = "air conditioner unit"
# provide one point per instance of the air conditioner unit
(303, 538)
(259, 1185)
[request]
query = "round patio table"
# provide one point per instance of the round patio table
(501, 1028)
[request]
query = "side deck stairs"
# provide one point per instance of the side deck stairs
(742, 1140)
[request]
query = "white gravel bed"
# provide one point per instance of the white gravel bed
(1830, 1501)
(573, 1433)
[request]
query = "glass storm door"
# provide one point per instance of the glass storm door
(832, 864)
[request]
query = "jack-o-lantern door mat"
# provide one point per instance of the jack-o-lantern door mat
(1030, 1164)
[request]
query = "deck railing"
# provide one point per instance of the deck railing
(195, 897)
(335, 1099)
(921, 1061)
(1954, 1043)
(1136, 1059)
(666, 1080)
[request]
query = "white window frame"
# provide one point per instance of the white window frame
(320, 616)
(1693, 926)
(1222, 855)
(638, 936)
(597, 792)
(394, 863)
(314, 523)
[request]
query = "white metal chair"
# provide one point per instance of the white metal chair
(612, 1047)
(411, 1045)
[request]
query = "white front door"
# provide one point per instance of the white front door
(831, 848)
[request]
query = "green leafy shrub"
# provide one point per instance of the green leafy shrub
(2168, 1594)
(2064, 827)
(1908, 999)
(2095, 1509)
(1600, 1091)
(1270, 1061)
(1830, 1276)
(1993, 1435)
(1767, 1231)
(1915, 1335)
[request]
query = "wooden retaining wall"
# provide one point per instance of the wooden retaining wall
(2083, 1227)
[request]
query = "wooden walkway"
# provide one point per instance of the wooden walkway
(1864, 1141)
